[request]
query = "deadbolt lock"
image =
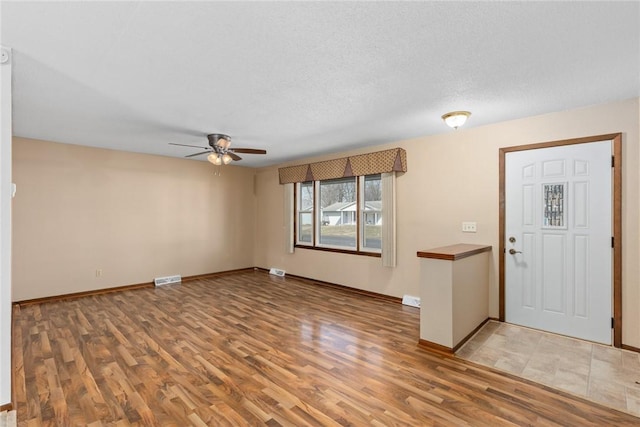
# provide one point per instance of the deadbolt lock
(512, 239)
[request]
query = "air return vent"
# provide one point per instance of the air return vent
(161, 281)
(277, 272)
(411, 300)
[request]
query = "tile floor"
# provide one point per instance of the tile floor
(8, 419)
(603, 374)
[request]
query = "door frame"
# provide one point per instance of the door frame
(616, 216)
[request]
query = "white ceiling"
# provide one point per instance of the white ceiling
(305, 78)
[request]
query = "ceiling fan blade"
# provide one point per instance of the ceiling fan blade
(234, 156)
(185, 145)
(197, 154)
(248, 150)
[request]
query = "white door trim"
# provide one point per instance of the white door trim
(617, 221)
(5, 228)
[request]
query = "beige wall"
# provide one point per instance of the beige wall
(134, 216)
(453, 177)
(454, 298)
(470, 294)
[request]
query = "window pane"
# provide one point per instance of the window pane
(372, 212)
(305, 227)
(338, 212)
(305, 212)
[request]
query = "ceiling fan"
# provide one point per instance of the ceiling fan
(219, 149)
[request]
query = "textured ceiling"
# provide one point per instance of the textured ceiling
(306, 78)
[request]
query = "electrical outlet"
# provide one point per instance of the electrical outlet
(99, 272)
(469, 227)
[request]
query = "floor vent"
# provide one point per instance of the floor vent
(161, 281)
(412, 301)
(277, 272)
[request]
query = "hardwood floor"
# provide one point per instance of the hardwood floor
(253, 349)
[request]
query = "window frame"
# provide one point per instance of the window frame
(317, 220)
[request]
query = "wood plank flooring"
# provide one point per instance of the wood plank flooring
(254, 349)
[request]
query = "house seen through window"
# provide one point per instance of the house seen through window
(344, 213)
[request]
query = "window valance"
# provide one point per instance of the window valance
(393, 160)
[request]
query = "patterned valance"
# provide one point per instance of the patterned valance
(393, 160)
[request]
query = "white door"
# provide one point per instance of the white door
(558, 228)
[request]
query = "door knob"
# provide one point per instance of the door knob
(513, 251)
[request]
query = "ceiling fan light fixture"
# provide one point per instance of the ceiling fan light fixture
(455, 119)
(215, 159)
(218, 152)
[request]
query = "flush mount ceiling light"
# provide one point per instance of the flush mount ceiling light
(455, 119)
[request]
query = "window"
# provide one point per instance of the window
(371, 213)
(305, 213)
(363, 220)
(340, 214)
(337, 213)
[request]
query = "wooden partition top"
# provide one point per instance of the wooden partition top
(454, 252)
